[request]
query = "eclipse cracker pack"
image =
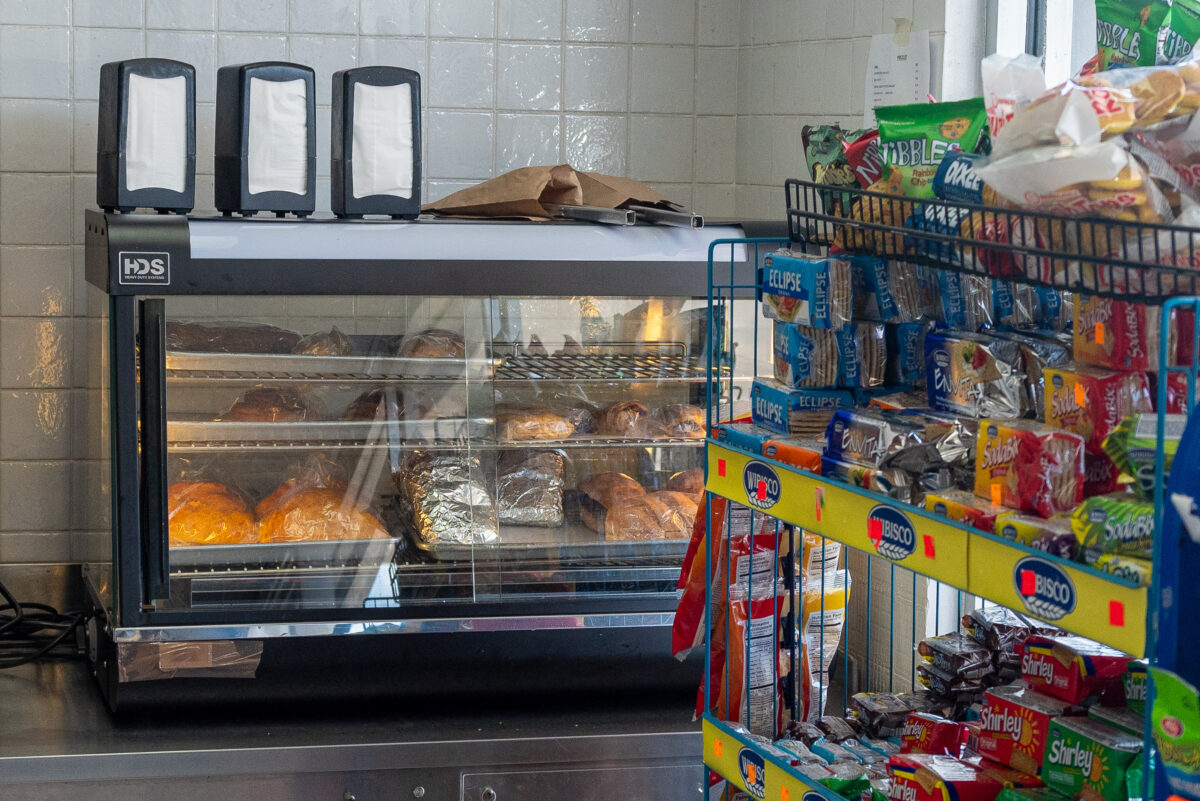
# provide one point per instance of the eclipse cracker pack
(1014, 724)
(1071, 668)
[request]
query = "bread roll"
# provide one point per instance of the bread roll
(207, 513)
(324, 343)
(517, 425)
(682, 420)
(366, 405)
(433, 343)
(689, 482)
(274, 405)
(623, 419)
(657, 516)
(604, 491)
(314, 514)
(218, 337)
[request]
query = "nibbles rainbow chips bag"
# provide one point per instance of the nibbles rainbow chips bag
(914, 138)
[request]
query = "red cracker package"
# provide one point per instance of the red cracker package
(864, 158)
(1029, 466)
(1117, 334)
(924, 733)
(1091, 402)
(1071, 668)
(931, 777)
(1014, 725)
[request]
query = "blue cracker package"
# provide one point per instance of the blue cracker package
(862, 355)
(937, 219)
(806, 357)
(1013, 305)
(744, 436)
(806, 290)
(867, 437)
(776, 407)
(957, 180)
(974, 375)
(906, 353)
(965, 299)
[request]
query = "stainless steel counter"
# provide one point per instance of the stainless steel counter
(58, 741)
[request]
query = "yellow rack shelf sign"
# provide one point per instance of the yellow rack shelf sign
(909, 537)
(742, 764)
(1074, 597)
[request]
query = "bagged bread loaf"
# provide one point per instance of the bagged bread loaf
(223, 337)
(602, 492)
(522, 424)
(316, 504)
(275, 405)
(655, 516)
(207, 513)
(325, 343)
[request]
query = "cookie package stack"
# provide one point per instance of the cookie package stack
(1008, 710)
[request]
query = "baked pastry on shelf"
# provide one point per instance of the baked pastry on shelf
(623, 419)
(367, 405)
(324, 343)
(681, 420)
(299, 512)
(274, 405)
(515, 425)
(207, 513)
(688, 482)
(433, 343)
(221, 337)
(603, 491)
(656, 516)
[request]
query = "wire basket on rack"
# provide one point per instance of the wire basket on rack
(1113, 258)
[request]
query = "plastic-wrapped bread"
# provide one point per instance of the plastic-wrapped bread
(207, 513)
(656, 516)
(433, 343)
(299, 513)
(688, 482)
(603, 491)
(324, 343)
(448, 500)
(515, 425)
(275, 405)
(224, 337)
(367, 406)
(623, 419)
(529, 488)
(681, 420)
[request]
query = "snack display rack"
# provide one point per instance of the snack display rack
(967, 568)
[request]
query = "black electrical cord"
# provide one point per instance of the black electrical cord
(32, 631)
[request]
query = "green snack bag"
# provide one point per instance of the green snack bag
(1086, 759)
(1131, 446)
(1176, 728)
(1133, 781)
(1031, 794)
(914, 138)
(1127, 32)
(1118, 523)
(847, 788)
(1134, 683)
(1181, 31)
(827, 164)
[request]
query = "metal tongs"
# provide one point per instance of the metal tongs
(627, 216)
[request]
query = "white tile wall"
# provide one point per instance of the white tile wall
(701, 98)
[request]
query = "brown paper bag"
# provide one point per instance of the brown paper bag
(519, 193)
(612, 192)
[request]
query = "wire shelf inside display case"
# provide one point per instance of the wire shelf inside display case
(297, 367)
(1097, 256)
(609, 361)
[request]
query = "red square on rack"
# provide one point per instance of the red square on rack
(875, 529)
(1028, 582)
(721, 468)
(1116, 613)
(762, 490)
(930, 551)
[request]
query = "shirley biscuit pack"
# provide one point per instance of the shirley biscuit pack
(924, 733)
(1014, 726)
(936, 777)
(1029, 466)
(806, 290)
(914, 138)
(1070, 668)
(1086, 759)
(1092, 402)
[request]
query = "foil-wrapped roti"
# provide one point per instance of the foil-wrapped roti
(447, 499)
(529, 488)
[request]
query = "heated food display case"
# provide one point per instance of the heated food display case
(379, 458)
